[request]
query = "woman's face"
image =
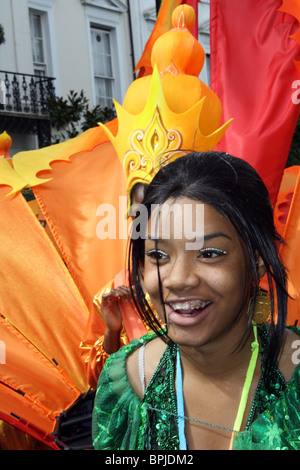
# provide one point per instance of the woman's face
(203, 284)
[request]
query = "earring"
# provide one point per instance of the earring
(262, 308)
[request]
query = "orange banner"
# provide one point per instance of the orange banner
(42, 317)
(80, 195)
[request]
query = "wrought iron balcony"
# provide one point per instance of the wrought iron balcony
(24, 93)
(23, 104)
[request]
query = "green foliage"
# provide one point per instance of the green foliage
(95, 115)
(294, 154)
(2, 35)
(72, 115)
(66, 112)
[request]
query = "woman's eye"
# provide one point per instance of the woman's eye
(157, 254)
(210, 253)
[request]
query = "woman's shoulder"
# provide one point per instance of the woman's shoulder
(122, 354)
(113, 379)
(141, 367)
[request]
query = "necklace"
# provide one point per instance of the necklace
(159, 408)
(243, 400)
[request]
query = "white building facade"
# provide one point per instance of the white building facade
(90, 45)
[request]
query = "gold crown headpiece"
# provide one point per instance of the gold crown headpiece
(171, 112)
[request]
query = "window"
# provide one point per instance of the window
(38, 44)
(102, 62)
(207, 67)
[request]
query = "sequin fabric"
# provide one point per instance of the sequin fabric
(122, 421)
(159, 427)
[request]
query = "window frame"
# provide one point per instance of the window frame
(106, 78)
(39, 68)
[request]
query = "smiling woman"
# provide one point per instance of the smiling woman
(214, 377)
(203, 289)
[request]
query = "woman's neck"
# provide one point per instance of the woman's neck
(220, 358)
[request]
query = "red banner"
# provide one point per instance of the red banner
(254, 74)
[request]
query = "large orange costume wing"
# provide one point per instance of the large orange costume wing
(47, 288)
(42, 316)
(75, 184)
(75, 203)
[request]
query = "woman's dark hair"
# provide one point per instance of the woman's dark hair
(235, 190)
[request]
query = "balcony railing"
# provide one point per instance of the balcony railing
(24, 93)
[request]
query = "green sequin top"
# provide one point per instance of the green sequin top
(121, 421)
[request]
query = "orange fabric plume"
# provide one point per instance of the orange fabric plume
(40, 365)
(70, 203)
(162, 25)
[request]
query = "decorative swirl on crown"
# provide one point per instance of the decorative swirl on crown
(150, 149)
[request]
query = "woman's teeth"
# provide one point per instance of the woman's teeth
(189, 307)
